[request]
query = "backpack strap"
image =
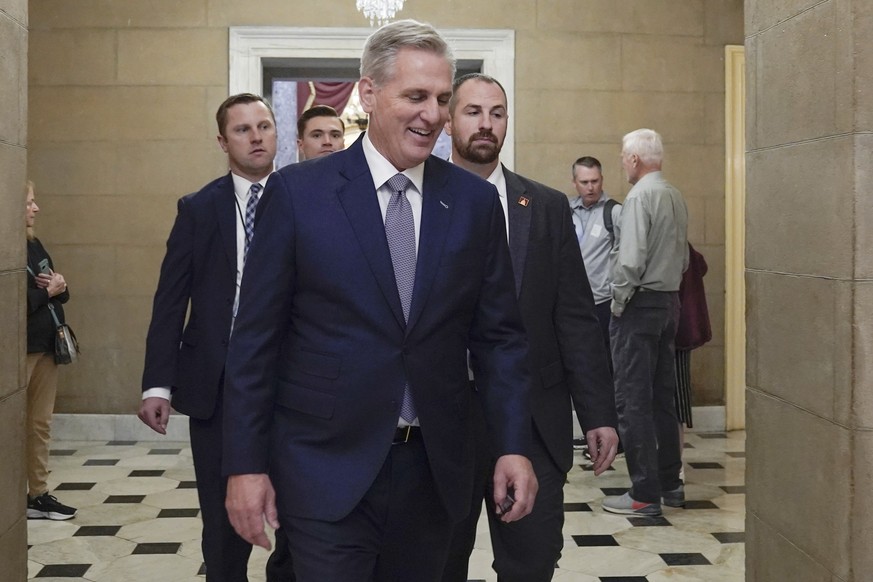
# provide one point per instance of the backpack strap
(607, 216)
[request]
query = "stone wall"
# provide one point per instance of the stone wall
(123, 94)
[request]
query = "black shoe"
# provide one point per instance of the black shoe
(47, 506)
(675, 498)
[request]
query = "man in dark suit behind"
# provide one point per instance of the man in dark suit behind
(568, 358)
(202, 270)
(374, 270)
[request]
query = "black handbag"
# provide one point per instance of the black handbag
(66, 344)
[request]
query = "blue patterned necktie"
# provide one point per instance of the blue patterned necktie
(400, 231)
(251, 208)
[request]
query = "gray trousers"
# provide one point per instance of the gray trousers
(642, 342)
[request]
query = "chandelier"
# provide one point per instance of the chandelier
(379, 11)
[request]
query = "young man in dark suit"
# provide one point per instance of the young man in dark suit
(201, 271)
(374, 271)
(567, 355)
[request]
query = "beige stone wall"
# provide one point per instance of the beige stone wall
(809, 290)
(122, 96)
(13, 330)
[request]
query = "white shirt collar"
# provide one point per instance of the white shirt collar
(241, 186)
(498, 178)
(382, 170)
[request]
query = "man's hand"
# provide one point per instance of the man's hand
(155, 412)
(250, 501)
(602, 447)
(515, 471)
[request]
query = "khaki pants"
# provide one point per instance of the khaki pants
(42, 386)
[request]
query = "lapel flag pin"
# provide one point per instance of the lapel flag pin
(444, 204)
(523, 200)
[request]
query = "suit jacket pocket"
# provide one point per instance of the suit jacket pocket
(552, 374)
(304, 400)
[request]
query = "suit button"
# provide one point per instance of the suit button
(224, 342)
(229, 301)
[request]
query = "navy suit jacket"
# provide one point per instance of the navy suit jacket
(567, 354)
(320, 352)
(199, 268)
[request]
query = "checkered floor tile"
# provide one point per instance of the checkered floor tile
(138, 520)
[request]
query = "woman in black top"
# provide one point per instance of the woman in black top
(46, 290)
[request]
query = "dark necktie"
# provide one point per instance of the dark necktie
(400, 231)
(251, 208)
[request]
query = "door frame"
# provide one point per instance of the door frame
(735, 237)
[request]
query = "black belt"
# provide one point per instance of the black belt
(405, 434)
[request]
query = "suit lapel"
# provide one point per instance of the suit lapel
(436, 213)
(518, 203)
(361, 205)
(225, 210)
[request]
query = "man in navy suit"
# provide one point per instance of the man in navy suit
(567, 355)
(374, 271)
(202, 270)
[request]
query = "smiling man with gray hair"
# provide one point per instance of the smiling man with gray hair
(649, 257)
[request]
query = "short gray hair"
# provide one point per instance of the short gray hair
(646, 143)
(380, 50)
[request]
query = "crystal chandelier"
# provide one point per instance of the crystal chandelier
(379, 11)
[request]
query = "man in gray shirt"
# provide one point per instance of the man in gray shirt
(594, 230)
(649, 257)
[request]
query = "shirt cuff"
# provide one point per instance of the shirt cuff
(164, 393)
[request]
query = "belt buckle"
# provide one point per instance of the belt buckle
(407, 430)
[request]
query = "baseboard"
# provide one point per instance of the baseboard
(114, 427)
(706, 419)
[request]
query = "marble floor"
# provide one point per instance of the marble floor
(138, 520)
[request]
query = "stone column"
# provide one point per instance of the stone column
(809, 274)
(13, 165)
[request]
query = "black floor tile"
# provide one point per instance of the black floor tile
(731, 537)
(614, 490)
(733, 489)
(649, 521)
(100, 462)
(157, 548)
(685, 560)
(594, 541)
(706, 465)
(124, 499)
(712, 435)
(202, 570)
(75, 487)
(178, 513)
(165, 451)
(62, 452)
(577, 507)
(97, 530)
(187, 485)
(687, 446)
(700, 504)
(737, 455)
(146, 473)
(120, 443)
(63, 571)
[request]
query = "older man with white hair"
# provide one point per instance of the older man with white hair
(649, 257)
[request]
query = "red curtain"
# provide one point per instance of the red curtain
(335, 94)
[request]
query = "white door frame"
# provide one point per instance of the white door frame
(250, 44)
